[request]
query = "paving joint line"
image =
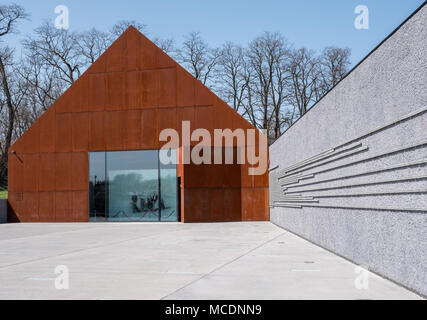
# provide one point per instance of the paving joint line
(77, 250)
(224, 265)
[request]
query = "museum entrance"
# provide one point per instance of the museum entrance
(126, 186)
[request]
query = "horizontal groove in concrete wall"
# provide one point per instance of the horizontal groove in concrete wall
(286, 206)
(419, 210)
(380, 128)
(388, 125)
(290, 178)
(415, 199)
(380, 188)
(297, 197)
(272, 169)
(299, 201)
(343, 156)
(290, 182)
(326, 156)
(363, 184)
(371, 194)
(366, 173)
(317, 157)
(414, 146)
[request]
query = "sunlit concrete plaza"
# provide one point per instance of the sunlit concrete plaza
(177, 261)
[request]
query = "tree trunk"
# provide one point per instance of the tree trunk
(9, 132)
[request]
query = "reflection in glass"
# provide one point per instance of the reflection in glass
(130, 186)
(97, 186)
(168, 188)
(133, 186)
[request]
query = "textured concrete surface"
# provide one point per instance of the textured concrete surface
(3, 211)
(368, 204)
(176, 261)
(394, 244)
(389, 84)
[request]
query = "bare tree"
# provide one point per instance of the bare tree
(281, 76)
(198, 58)
(9, 17)
(26, 102)
(272, 85)
(334, 64)
(167, 45)
(7, 127)
(268, 56)
(92, 44)
(231, 74)
(57, 49)
(249, 103)
(305, 73)
(262, 71)
(121, 26)
(43, 81)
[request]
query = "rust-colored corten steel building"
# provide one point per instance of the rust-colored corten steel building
(94, 154)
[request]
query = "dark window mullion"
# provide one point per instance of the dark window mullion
(107, 186)
(159, 179)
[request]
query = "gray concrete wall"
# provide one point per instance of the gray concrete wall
(351, 175)
(3, 211)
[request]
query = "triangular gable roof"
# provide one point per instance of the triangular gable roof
(133, 73)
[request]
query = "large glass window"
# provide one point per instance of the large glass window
(133, 186)
(168, 189)
(136, 187)
(97, 187)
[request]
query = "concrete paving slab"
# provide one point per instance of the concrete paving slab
(254, 260)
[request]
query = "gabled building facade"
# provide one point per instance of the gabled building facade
(94, 154)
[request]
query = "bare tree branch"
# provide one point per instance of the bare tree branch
(198, 58)
(9, 17)
(121, 26)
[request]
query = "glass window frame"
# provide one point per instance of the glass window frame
(106, 217)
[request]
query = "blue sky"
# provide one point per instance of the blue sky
(310, 23)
